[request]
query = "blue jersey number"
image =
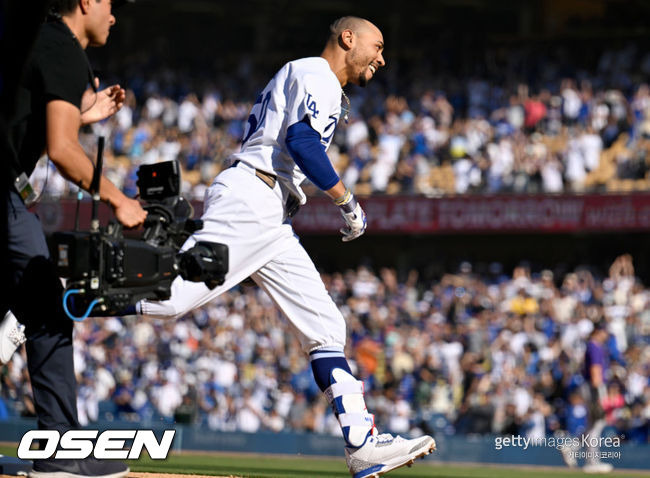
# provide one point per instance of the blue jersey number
(332, 124)
(253, 122)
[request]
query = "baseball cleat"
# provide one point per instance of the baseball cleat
(383, 453)
(12, 336)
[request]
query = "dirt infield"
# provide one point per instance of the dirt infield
(156, 475)
(172, 475)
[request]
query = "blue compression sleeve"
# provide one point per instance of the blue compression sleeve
(303, 143)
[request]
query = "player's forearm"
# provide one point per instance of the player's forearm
(74, 165)
(337, 191)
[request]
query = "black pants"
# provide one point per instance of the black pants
(35, 297)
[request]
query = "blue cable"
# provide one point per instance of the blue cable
(65, 306)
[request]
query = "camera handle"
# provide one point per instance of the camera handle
(94, 185)
(156, 223)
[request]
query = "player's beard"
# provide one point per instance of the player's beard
(362, 79)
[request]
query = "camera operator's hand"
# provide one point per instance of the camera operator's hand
(98, 106)
(129, 212)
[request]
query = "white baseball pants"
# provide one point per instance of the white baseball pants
(248, 216)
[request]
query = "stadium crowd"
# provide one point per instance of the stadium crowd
(527, 124)
(468, 353)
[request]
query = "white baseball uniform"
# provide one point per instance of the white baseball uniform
(244, 213)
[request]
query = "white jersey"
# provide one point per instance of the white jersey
(302, 88)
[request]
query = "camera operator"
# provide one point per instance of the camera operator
(51, 106)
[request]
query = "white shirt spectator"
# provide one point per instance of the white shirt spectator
(451, 353)
(104, 384)
(552, 176)
(170, 112)
(167, 398)
(225, 374)
(636, 383)
(399, 419)
(466, 174)
(87, 405)
(187, 113)
(591, 146)
(575, 164)
(387, 156)
(124, 118)
(155, 107)
(143, 333)
(249, 415)
(356, 132)
(284, 401)
(599, 116)
(537, 430)
(169, 150)
(365, 285)
(516, 116)
(274, 422)
(210, 107)
(522, 401)
(501, 157)
(571, 103)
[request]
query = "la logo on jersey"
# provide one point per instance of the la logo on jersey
(311, 105)
(78, 444)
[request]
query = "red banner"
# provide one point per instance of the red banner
(487, 214)
(467, 214)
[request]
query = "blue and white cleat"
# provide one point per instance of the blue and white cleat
(383, 453)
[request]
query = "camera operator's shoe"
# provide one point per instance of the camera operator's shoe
(88, 468)
(12, 336)
(383, 453)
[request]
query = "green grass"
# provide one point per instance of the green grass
(264, 466)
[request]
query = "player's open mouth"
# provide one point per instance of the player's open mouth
(372, 69)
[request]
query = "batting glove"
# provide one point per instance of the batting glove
(353, 215)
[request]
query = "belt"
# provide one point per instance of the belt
(292, 204)
(267, 178)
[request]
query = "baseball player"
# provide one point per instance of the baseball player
(249, 207)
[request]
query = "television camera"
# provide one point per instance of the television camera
(107, 273)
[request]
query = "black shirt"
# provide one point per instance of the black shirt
(58, 69)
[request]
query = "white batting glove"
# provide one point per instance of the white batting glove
(355, 218)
